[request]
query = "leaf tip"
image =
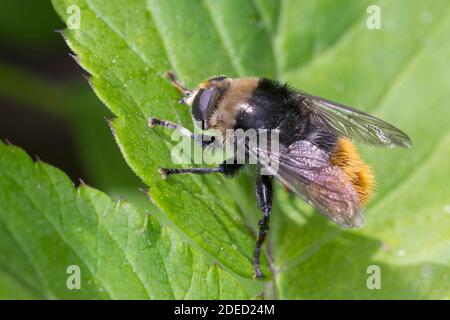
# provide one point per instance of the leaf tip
(88, 77)
(61, 32)
(146, 191)
(121, 200)
(110, 124)
(75, 58)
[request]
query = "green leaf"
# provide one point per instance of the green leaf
(47, 225)
(398, 73)
(13, 289)
(128, 75)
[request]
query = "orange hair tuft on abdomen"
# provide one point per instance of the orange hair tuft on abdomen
(359, 173)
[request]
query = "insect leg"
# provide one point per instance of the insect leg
(203, 139)
(173, 79)
(228, 170)
(264, 196)
(168, 171)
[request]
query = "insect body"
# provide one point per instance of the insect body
(315, 156)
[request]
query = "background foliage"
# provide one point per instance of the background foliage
(398, 73)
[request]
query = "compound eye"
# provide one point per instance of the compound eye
(204, 102)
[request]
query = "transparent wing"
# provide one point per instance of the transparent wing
(305, 169)
(353, 123)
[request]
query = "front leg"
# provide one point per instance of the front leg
(227, 169)
(264, 197)
(204, 140)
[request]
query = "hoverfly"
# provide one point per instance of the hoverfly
(316, 158)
